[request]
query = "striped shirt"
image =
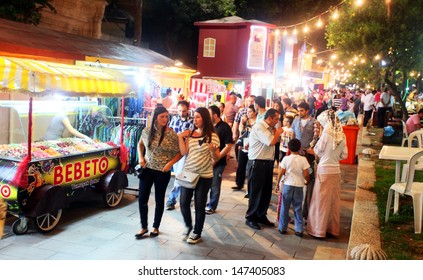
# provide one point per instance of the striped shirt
(199, 159)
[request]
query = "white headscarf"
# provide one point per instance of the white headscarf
(332, 126)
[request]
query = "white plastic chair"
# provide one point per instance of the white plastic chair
(411, 188)
(404, 134)
(418, 134)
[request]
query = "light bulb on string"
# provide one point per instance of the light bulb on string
(285, 32)
(319, 23)
(306, 29)
(335, 14)
(359, 3)
(295, 31)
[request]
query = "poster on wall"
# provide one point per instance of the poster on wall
(257, 47)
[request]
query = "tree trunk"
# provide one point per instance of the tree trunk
(397, 95)
(137, 22)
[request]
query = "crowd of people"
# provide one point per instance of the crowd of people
(303, 135)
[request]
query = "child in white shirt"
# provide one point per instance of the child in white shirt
(287, 134)
(295, 169)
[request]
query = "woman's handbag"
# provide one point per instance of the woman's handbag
(187, 179)
(240, 141)
(139, 171)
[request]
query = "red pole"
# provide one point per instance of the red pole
(30, 130)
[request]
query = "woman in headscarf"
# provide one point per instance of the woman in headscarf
(331, 147)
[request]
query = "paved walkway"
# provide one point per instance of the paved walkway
(88, 231)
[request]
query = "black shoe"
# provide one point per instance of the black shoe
(141, 234)
(237, 188)
(282, 231)
(252, 224)
(154, 233)
(299, 234)
(265, 221)
(246, 195)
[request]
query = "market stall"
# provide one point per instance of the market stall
(203, 90)
(40, 178)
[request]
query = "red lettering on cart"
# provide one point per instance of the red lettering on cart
(68, 172)
(80, 170)
(5, 191)
(95, 161)
(87, 169)
(103, 165)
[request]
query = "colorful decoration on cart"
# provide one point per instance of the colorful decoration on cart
(51, 148)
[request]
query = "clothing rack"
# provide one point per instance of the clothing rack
(131, 119)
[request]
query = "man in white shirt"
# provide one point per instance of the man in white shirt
(368, 105)
(261, 154)
(383, 107)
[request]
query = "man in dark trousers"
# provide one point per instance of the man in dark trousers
(261, 155)
(224, 132)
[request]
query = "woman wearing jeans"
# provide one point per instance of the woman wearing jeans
(201, 147)
(160, 144)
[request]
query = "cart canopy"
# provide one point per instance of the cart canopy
(33, 76)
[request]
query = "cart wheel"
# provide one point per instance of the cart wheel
(46, 222)
(112, 199)
(19, 228)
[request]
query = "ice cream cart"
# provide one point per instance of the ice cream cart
(38, 179)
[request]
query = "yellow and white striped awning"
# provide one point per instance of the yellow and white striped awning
(33, 76)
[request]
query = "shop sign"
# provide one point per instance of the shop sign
(73, 170)
(257, 47)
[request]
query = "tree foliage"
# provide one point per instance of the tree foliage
(395, 36)
(26, 11)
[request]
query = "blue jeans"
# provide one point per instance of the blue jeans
(215, 187)
(160, 181)
(294, 195)
(175, 191)
(173, 195)
(200, 200)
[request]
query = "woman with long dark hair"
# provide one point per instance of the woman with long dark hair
(158, 150)
(201, 147)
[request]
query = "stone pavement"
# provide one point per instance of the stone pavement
(88, 231)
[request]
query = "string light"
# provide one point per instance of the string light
(335, 14)
(319, 23)
(317, 20)
(359, 3)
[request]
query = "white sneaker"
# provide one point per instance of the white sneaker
(185, 234)
(194, 238)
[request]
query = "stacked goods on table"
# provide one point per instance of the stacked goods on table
(53, 148)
